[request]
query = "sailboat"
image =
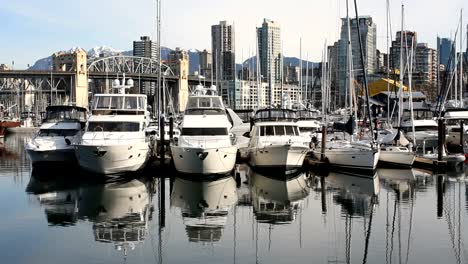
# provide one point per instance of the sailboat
(399, 154)
(352, 154)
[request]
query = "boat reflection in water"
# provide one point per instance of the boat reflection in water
(402, 182)
(119, 210)
(204, 205)
(356, 193)
(276, 200)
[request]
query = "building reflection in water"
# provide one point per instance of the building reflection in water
(276, 200)
(204, 205)
(119, 210)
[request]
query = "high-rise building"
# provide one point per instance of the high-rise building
(368, 30)
(206, 60)
(223, 49)
(410, 41)
(269, 48)
(425, 69)
(270, 57)
(146, 48)
(444, 45)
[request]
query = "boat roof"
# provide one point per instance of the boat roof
(456, 114)
(65, 108)
(277, 123)
(120, 95)
(420, 122)
(205, 121)
(275, 114)
(116, 118)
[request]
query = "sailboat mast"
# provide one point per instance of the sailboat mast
(410, 86)
(349, 59)
(402, 70)
(388, 62)
(307, 78)
(461, 58)
(366, 88)
(300, 64)
(259, 90)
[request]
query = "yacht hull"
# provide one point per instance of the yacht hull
(57, 155)
(111, 159)
(396, 158)
(282, 157)
(354, 158)
(193, 160)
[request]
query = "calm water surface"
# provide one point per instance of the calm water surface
(397, 216)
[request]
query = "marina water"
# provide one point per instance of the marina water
(62, 216)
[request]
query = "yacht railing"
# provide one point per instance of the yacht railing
(205, 141)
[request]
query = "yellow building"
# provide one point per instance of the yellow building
(76, 62)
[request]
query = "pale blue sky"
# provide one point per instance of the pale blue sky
(34, 29)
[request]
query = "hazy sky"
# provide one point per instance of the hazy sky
(34, 29)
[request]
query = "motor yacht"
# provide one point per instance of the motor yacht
(276, 142)
(425, 135)
(205, 146)
(61, 127)
(115, 140)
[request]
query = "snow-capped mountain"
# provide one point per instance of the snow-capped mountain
(46, 63)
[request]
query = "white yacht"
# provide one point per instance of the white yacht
(362, 156)
(309, 124)
(205, 145)
(61, 128)
(115, 140)
(426, 133)
(395, 149)
(276, 142)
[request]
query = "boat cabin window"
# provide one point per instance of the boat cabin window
(308, 129)
(421, 128)
(203, 131)
(57, 132)
(113, 126)
(279, 131)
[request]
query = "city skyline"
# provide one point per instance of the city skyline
(37, 29)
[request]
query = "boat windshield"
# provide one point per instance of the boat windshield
(279, 131)
(113, 126)
(275, 115)
(305, 114)
(204, 105)
(57, 132)
(203, 131)
(64, 114)
(120, 102)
